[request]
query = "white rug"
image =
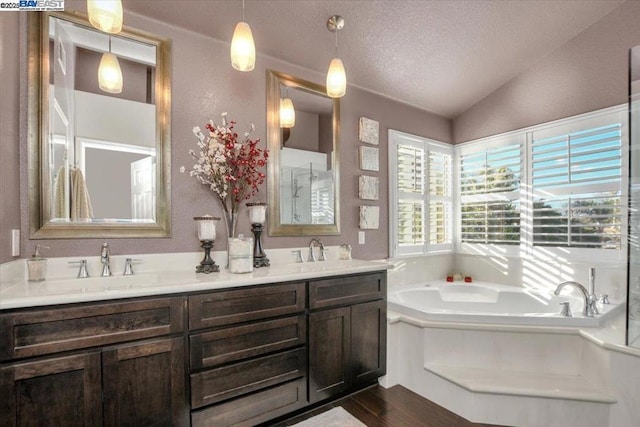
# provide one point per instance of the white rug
(336, 417)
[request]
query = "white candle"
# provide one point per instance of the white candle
(206, 227)
(257, 213)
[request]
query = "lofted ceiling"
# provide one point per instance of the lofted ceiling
(440, 56)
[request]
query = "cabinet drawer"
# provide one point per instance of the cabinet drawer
(39, 332)
(347, 290)
(239, 342)
(242, 305)
(234, 380)
(255, 408)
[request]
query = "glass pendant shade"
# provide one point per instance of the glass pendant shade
(287, 113)
(105, 15)
(336, 79)
(243, 49)
(109, 73)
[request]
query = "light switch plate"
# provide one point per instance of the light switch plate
(361, 237)
(15, 242)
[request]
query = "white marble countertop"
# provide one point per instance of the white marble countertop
(21, 293)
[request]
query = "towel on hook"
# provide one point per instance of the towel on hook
(81, 209)
(59, 194)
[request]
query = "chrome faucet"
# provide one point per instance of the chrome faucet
(104, 259)
(312, 255)
(588, 311)
(593, 299)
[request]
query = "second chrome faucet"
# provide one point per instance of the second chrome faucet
(590, 298)
(312, 256)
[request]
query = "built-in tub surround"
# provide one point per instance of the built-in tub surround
(159, 274)
(498, 372)
(483, 302)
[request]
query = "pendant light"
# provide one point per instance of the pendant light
(105, 15)
(243, 49)
(109, 72)
(287, 112)
(336, 77)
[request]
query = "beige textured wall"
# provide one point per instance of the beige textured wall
(203, 86)
(589, 72)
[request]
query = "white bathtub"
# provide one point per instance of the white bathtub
(481, 302)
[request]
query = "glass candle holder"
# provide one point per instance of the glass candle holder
(240, 254)
(206, 225)
(257, 212)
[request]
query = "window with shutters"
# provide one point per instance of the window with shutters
(557, 188)
(490, 176)
(576, 181)
(420, 172)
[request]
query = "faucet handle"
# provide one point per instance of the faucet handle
(604, 299)
(82, 273)
(298, 254)
(323, 254)
(565, 309)
(128, 266)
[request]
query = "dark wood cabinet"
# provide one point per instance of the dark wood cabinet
(114, 379)
(232, 357)
(347, 344)
(248, 354)
(368, 341)
(62, 391)
(329, 352)
(144, 384)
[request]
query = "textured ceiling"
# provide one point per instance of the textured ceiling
(440, 56)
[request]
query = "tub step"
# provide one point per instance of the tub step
(515, 383)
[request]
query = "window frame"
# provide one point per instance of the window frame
(526, 249)
(397, 138)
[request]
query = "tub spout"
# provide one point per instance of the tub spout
(588, 310)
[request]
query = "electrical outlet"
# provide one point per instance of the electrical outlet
(15, 242)
(361, 237)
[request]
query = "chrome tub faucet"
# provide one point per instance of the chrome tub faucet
(588, 311)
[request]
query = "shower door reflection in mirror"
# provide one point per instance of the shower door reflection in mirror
(306, 175)
(304, 180)
(633, 280)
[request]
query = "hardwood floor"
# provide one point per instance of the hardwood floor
(393, 407)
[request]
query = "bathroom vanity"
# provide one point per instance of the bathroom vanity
(239, 354)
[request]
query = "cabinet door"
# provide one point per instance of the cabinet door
(63, 391)
(368, 341)
(329, 352)
(144, 384)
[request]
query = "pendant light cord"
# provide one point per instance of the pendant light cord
(243, 11)
(336, 31)
(109, 44)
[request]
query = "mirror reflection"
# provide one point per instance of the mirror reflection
(306, 176)
(303, 141)
(104, 159)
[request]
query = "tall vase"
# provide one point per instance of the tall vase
(231, 220)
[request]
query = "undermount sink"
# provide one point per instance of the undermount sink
(100, 284)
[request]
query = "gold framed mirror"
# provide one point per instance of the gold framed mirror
(99, 154)
(304, 178)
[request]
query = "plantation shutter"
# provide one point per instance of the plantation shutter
(576, 179)
(490, 177)
(420, 194)
(440, 204)
(411, 191)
